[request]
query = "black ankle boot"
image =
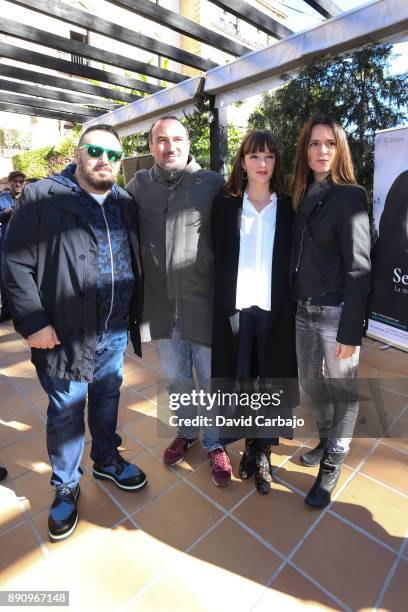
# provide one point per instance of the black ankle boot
(319, 495)
(263, 475)
(314, 456)
(247, 466)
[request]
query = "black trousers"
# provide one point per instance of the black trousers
(254, 327)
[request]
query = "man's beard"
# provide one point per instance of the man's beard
(94, 181)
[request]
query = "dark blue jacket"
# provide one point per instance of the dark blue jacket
(50, 267)
(6, 201)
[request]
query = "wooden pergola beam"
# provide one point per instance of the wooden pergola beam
(61, 43)
(8, 107)
(48, 61)
(42, 78)
(52, 94)
(261, 21)
(180, 24)
(327, 8)
(93, 23)
(53, 105)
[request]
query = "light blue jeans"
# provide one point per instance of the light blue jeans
(178, 359)
(329, 384)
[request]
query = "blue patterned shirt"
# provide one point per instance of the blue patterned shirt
(115, 283)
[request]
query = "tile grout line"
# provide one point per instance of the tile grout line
(186, 479)
(389, 445)
(286, 560)
(308, 532)
(342, 518)
(29, 435)
(390, 576)
(226, 513)
(383, 484)
(384, 388)
(326, 510)
(186, 551)
(359, 529)
(319, 586)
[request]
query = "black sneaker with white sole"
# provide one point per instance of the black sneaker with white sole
(63, 516)
(126, 476)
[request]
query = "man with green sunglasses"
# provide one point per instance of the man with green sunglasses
(73, 276)
(96, 151)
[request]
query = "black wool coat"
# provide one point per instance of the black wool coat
(281, 351)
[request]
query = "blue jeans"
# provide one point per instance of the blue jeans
(178, 358)
(65, 422)
(328, 383)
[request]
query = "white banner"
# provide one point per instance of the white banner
(389, 297)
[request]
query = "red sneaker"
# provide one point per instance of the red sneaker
(221, 469)
(177, 450)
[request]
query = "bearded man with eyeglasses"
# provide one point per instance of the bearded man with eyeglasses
(73, 275)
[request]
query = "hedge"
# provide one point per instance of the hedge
(46, 161)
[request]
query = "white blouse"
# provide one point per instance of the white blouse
(257, 237)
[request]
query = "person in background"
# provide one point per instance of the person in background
(331, 277)
(8, 203)
(254, 325)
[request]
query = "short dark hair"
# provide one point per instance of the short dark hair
(166, 118)
(102, 127)
(254, 141)
(14, 174)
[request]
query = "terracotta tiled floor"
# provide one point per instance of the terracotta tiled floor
(181, 543)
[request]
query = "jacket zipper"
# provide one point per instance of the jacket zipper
(300, 250)
(112, 275)
(85, 308)
(316, 210)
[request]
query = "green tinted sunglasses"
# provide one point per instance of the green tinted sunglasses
(97, 151)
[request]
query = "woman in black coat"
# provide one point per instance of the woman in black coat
(253, 330)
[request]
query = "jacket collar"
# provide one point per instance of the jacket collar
(172, 178)
(315, 195)
(65, 184)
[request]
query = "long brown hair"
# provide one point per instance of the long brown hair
(342, 171)
(254, 141)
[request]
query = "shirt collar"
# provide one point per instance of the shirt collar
(249, 207)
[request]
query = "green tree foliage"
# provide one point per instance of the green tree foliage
(33, 163)
(358, 90)
(199, 130)
(46, 161)
(14, 139)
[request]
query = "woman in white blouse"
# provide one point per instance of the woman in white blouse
(253, 331)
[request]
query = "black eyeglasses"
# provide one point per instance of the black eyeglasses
(96, 151)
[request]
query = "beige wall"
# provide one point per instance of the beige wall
(191, 9)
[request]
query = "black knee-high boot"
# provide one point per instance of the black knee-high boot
(263, 474)
(247, 465)
(315, 455)
(319, 495)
